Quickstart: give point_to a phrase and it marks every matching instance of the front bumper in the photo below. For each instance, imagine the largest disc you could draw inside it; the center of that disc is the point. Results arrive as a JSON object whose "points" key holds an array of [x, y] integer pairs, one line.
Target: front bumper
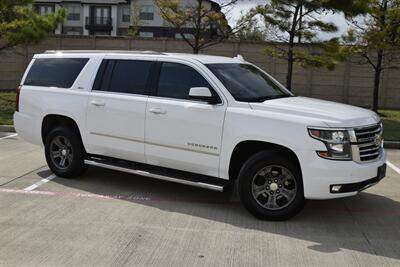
{"points": [[319, 175], [360, 186]]}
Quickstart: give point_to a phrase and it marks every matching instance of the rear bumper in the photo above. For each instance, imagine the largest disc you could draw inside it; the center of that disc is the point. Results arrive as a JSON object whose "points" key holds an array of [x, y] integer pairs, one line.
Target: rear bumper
{"points": [[28, 128], [320, 175]]}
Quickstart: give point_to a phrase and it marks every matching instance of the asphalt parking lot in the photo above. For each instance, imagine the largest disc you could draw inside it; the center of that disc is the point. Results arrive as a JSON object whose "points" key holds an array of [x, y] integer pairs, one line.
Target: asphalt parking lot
{"points": [[110, 218]]}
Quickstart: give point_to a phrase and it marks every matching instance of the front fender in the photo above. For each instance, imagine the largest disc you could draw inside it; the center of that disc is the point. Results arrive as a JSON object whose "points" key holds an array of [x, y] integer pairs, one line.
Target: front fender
{"points": [[250, 125]]}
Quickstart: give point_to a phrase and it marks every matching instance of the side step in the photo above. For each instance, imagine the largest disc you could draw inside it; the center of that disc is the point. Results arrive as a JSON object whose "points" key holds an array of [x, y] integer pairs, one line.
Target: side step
{"points": [[159, 173]]}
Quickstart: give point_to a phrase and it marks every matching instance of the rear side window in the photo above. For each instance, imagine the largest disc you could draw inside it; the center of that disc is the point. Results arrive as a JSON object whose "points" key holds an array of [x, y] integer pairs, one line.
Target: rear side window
{"points": [[130, 76], [123, 76], [176, 80], [55, 72]]}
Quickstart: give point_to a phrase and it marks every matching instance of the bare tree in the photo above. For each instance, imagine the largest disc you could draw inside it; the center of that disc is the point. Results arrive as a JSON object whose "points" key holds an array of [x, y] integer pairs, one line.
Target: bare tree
{"points": [[376, 37], [201, 24]]}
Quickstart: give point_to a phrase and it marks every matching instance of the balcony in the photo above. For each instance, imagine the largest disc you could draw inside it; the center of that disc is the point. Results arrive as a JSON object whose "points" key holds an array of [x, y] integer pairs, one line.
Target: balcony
{"points": [[99, 23]]}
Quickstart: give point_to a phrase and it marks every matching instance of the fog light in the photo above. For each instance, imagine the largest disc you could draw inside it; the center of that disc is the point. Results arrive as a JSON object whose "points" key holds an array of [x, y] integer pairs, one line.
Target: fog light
{"points": [[336, 188]]}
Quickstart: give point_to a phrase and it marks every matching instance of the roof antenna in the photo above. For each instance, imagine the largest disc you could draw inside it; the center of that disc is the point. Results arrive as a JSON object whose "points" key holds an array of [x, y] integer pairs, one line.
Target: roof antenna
{"points": [[240, 57]]}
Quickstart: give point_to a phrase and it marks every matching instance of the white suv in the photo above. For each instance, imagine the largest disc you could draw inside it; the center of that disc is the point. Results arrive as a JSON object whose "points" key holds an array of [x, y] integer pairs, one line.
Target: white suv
{"points": [[199, 120]]}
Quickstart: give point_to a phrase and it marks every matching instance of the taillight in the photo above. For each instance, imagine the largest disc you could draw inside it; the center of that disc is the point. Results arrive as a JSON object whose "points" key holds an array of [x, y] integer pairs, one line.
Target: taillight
{"points": [[17, 98]]}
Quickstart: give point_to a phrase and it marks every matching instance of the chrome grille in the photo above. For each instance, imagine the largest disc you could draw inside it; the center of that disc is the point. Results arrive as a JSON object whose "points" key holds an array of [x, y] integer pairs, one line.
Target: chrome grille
{"points": [[369, 142]]}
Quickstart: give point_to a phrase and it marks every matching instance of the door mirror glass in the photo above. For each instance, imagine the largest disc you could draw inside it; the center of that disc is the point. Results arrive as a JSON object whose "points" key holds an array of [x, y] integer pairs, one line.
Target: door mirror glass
{"points": [[202, 94]]}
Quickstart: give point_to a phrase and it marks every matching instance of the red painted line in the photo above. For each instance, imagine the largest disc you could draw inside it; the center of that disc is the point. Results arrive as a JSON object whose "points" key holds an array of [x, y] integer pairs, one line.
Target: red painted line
{"points": [[142, 199], [117, 197], [71, 194]]}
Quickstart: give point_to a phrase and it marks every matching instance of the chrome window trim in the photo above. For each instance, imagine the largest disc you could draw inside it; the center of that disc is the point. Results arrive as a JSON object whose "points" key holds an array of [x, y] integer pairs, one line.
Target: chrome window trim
{"points": [[186, 100], [119, 93]]}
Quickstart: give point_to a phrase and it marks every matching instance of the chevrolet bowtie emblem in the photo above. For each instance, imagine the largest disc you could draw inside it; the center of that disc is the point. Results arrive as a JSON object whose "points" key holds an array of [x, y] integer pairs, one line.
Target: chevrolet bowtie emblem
{"points": [[378, 140]]}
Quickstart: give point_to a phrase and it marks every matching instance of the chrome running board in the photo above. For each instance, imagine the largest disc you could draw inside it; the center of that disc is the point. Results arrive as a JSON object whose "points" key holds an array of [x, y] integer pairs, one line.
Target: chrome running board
{"points": [[156, 174]]}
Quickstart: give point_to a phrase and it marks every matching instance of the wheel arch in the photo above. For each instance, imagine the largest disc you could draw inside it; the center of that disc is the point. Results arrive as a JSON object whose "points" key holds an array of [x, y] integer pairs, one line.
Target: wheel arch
{"points": [[50, 121], [245, 149]]}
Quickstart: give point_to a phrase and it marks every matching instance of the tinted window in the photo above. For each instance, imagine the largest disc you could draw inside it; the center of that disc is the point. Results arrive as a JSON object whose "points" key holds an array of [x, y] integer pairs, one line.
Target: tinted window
{"points": [[98, 84], [177, 79], [56, 72], [247, 83], [129, 76], [103, 77]]}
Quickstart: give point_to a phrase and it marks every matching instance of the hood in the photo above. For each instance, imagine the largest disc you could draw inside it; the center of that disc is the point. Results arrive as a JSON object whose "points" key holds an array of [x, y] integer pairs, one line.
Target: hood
{"points": [[331, 114]]}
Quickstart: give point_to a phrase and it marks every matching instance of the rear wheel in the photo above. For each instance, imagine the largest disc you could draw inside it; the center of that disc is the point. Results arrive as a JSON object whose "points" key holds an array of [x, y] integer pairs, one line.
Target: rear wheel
{"points": [[270, 186], [65, 153]]}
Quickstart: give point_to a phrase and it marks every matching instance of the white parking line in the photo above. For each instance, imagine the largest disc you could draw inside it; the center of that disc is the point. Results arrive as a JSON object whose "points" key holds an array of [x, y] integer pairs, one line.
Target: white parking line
{"points": [[41, 182], [8, 136], [394, 167]]}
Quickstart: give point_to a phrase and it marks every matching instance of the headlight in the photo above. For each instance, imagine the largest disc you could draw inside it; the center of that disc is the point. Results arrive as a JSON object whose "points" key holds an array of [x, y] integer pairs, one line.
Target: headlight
{"points": [[337, 143]]}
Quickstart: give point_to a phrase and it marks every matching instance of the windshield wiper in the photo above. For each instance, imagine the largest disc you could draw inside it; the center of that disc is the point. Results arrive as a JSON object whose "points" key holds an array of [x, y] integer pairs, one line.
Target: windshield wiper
{"points": [[264, 98]]}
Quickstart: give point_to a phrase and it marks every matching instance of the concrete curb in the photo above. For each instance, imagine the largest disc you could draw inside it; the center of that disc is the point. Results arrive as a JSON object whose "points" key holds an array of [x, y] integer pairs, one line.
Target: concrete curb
{"points": [[392, 144], [387, 144], [7, 128]]}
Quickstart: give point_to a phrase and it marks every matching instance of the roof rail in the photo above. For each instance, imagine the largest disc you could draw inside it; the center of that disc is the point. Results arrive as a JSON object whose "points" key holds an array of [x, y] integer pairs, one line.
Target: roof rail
{"points": [[240, 57], [103, 51]]}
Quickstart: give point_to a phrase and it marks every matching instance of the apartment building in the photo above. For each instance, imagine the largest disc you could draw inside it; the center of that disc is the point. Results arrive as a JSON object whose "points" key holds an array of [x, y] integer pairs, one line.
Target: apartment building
{"points": [[90, 17], [153, 25], [114, 17]]}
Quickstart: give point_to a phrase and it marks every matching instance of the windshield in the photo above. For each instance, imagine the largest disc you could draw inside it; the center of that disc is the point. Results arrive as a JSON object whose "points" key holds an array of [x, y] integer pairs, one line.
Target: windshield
{"points": [[247, 83]]}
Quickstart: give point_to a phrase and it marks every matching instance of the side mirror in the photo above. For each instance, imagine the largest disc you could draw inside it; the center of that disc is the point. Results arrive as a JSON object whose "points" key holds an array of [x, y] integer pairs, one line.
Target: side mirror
{"points": [[202, 94]]}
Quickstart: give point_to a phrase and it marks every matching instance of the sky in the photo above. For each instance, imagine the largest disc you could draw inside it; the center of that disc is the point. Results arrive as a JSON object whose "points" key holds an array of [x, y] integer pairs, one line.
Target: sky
{"points": [[245, 5]]}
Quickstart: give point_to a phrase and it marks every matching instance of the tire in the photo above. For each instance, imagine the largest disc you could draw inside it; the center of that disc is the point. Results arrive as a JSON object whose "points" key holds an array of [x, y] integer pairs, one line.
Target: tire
{"points": [[65, 143], [266, 174]]}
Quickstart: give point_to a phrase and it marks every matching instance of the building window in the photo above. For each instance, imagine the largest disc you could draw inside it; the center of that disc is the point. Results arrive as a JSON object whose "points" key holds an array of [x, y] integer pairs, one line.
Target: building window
{"points": [[147, 12], [45, 9], [72, 33], [126, 14], [74, 13], [146, 34], [188, 36]]}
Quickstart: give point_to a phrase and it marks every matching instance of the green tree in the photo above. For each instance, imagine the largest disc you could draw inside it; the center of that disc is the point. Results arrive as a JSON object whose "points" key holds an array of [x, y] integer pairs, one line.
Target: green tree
{"points": [[249, 29], [291, 22], [20, 24], [135, 22], [207, 26], [376, 38]]}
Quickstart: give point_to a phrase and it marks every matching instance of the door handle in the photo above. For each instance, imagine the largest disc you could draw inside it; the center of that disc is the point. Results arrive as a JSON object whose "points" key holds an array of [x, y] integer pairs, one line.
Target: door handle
{"points": [[97, 103], [157, 111]]}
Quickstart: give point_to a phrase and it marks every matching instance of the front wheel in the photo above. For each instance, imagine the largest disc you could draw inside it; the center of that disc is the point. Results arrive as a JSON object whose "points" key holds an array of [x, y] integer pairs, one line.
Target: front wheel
{"points": [[271, 186], [64, 152]]}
